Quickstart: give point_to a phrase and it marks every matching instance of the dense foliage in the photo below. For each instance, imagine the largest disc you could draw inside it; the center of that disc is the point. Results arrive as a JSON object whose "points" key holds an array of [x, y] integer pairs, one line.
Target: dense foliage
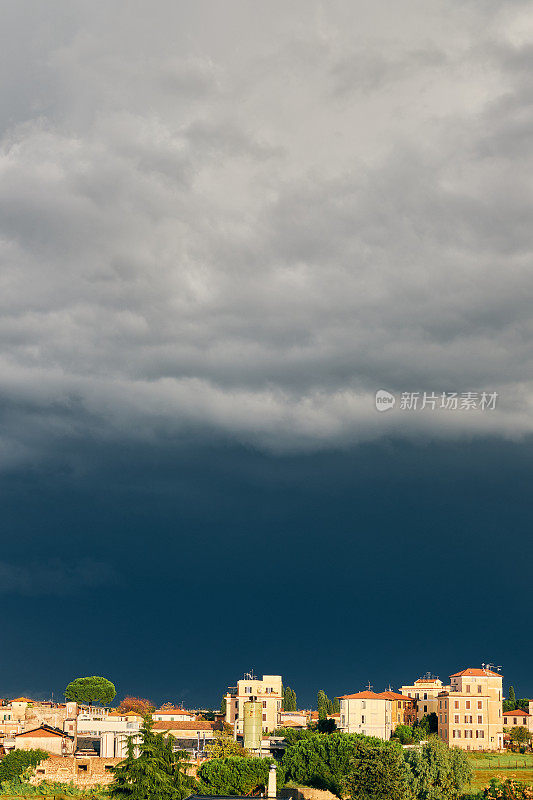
{"points": [[508, 789], [377, 771], [289, 699], [93, 689], [320, 760], [51, 789], [229, 776], [365, 767], [437, 772], [224, 746], [156, 773], [15, 764], [137, 705]]}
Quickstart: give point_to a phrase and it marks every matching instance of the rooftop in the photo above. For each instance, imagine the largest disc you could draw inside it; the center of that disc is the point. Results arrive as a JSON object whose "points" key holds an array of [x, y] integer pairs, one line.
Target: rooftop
{"points": [[473, 671]]}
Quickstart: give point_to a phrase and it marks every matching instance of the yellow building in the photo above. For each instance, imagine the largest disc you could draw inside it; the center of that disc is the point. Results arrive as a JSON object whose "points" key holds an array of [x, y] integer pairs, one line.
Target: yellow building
{"points": [[267, 690], [425, 691], [470, 713]]}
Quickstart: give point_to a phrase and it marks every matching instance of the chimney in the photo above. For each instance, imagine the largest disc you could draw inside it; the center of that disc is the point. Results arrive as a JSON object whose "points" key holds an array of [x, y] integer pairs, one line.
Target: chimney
{"points": [[272, 788]]}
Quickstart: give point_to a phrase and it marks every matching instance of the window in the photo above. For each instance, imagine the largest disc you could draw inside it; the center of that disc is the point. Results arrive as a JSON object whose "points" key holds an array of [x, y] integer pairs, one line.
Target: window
{"points": [[468, 734], [264, 717], [425, 695], [363, 720], [479, 719], [264, 703], [480, 734], [514, 720], [425, 709], [247, 690], [343, 720], [468, 704], [480, 704], [456, 719], [82, 768], [468, 688], [446, 718], [456, 704], [363, 704]]}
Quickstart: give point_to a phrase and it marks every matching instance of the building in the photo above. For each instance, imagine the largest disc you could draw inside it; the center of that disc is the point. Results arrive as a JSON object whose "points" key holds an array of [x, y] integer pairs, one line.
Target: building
{"points": [[369, 713], [403, 708], [293, 719], [425, 691], [470, 713], [267, 690], [518, 718], [169, 714], [46, 738], [95, 721]]}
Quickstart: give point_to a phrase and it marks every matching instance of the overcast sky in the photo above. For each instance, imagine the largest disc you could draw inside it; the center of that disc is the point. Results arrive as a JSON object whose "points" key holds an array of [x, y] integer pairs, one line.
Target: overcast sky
{"points": [[227, 225]]}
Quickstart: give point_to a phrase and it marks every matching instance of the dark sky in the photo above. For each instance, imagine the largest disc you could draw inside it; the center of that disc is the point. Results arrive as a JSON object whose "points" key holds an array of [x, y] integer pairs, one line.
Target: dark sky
{"points": [[223, 228], [373, 564]]}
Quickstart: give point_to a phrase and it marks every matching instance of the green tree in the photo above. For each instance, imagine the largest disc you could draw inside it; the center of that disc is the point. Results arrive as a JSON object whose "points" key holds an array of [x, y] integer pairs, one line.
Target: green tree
{"points": [[223, 704], [15, 764], [234, 776], [437, 772], [320, 761], [326, 726], [519, 734], [510, 703], [404, 734], [377, 771], [93, 689], [336, 705], [156, 773], [224, 746], [322, 704], [289, 699]]}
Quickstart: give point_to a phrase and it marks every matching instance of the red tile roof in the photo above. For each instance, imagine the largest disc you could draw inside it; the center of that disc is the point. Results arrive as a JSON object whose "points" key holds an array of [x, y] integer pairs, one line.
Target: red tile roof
{"points": [[477, 672], [201, 725], [393, 696], [43, 732], [518, 712], [173, 711], [361, 696]]}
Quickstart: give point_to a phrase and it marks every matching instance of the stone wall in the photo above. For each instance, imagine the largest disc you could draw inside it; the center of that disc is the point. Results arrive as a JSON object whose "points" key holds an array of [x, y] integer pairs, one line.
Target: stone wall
{"points": [[39, 715], [81, 771], [305, 793]]}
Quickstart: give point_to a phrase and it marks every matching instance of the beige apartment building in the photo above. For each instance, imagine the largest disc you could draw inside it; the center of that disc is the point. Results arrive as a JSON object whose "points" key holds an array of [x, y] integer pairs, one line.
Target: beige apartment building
{"points": [[519, 718], [470, 713], [267, 690], [425, 691], [367, 712]]}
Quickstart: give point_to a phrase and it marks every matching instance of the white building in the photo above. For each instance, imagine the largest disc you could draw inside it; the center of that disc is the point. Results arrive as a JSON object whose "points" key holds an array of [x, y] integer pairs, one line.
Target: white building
{"points": [[367, 713]]}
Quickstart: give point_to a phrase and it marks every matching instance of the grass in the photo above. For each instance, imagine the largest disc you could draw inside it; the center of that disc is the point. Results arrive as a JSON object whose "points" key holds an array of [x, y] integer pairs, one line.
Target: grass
{"points": [[500, 765]]}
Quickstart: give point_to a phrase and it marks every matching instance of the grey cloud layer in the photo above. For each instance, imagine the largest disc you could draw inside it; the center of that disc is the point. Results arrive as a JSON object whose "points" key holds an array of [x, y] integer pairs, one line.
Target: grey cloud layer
{"points": [[248, 221]]}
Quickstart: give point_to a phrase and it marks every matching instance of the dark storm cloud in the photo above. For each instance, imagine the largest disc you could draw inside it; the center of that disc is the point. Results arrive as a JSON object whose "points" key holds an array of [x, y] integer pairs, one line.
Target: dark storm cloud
{"points": [[245, 223], [54, 577]]}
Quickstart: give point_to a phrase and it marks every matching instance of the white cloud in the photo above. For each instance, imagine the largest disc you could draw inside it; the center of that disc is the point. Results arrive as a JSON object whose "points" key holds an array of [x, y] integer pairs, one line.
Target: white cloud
{"points": [[247, 222]]}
